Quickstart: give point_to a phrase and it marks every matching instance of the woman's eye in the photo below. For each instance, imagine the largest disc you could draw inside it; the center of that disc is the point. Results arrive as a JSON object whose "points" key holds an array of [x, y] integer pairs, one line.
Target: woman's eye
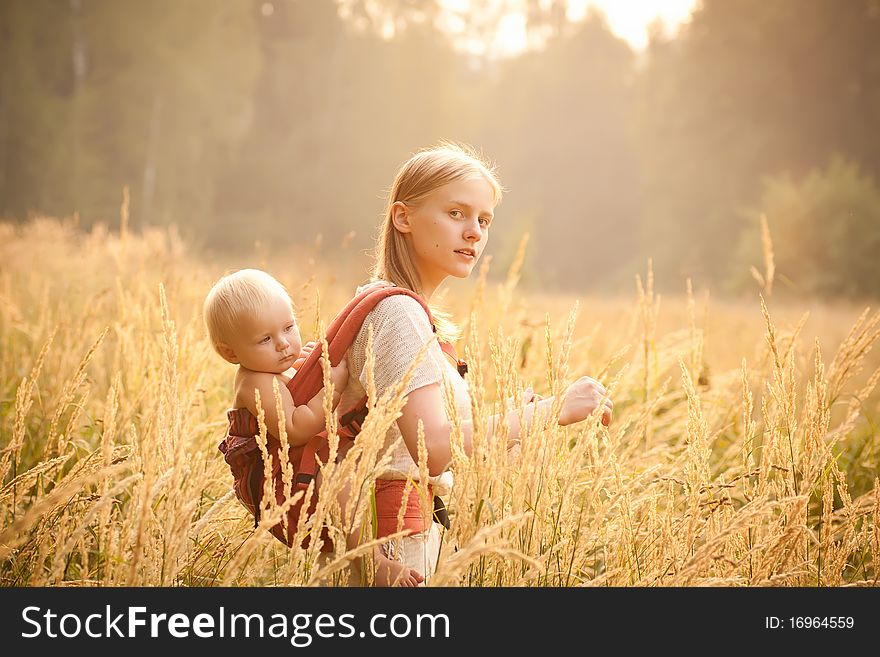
{"points": [[484, 222], [456, 214]]}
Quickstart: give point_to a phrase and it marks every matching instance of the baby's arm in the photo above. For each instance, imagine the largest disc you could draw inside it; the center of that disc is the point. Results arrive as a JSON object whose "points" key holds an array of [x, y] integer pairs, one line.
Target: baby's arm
{"points": [[300, 422], [309, 418], [297, 424], [339, 379], [338, 375]]}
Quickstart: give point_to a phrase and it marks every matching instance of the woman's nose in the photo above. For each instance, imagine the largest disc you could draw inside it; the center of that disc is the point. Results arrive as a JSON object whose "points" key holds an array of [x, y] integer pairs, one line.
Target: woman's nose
{"points": [[473, 231]]}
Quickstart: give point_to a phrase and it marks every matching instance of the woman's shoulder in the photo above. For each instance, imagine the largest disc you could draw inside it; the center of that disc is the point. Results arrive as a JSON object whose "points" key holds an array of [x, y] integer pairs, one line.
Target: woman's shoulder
{"points": [[400, 312], [396, 308], [400, 327], [403, 302]]}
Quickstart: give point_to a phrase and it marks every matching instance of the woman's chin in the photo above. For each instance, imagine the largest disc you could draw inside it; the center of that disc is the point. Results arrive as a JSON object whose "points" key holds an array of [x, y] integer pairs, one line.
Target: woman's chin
{"points": [[462, 271]]}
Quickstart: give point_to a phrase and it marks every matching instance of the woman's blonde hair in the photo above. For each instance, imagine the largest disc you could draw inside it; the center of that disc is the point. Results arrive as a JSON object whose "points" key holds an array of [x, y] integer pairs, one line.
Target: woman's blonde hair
{"points": [[420, 175], [243, 293]]}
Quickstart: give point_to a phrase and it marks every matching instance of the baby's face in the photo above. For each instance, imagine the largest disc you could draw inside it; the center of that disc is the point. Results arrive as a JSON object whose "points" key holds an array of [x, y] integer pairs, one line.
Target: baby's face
{"points": [[269, 341]]}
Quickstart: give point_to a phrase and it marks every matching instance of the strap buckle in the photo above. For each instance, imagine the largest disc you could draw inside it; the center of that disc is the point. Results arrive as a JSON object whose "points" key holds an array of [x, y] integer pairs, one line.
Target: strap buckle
{"points": [[440, 513]]}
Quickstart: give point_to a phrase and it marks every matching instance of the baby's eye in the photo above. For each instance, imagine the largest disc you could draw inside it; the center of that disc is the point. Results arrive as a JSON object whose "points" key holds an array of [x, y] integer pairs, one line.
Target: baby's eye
{"points": [[485, 222], [264, 340], [456, 214], [288, 328]]}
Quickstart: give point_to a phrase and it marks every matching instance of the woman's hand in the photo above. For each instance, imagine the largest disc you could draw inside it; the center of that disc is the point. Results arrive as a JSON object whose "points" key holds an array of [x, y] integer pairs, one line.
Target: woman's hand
{"points": [[528, 397], [581, 398]]}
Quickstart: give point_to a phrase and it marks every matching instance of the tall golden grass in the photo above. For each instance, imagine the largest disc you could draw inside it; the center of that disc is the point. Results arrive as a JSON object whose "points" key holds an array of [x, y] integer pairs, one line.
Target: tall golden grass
{"points": [[739, 455]]}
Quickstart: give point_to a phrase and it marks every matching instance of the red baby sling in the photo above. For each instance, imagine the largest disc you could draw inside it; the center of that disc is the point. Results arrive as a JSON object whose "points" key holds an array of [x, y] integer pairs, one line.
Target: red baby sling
{"points": [[242, 452]]}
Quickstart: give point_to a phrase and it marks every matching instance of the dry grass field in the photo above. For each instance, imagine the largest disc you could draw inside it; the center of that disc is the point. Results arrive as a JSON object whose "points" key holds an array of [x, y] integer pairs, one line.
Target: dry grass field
{"points": [[743, 449]]}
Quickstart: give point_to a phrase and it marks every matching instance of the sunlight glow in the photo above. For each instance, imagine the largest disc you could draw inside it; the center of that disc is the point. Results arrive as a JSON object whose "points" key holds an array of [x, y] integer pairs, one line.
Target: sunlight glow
{"points": [[630, 19], [494, 29], [511, 37]]}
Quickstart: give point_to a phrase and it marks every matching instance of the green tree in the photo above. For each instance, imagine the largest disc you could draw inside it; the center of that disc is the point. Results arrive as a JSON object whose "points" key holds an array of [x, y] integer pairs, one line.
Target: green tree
{"points": [[560, 127], [100, 94], [826, 231], [750, 89], [36, 84], [337, 108]]}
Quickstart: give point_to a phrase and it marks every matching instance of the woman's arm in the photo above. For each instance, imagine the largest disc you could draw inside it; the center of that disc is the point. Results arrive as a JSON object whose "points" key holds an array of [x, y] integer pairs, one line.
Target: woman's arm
{"points": [[426, 404]]}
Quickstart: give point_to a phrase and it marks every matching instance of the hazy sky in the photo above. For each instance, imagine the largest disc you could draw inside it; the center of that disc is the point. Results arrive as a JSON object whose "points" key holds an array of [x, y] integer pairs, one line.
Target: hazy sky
{"points": [[628, 19]]}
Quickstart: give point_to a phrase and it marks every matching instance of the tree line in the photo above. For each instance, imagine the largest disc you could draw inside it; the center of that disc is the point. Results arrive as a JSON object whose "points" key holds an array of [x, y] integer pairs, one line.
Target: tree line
{"points": [[247, 121]]}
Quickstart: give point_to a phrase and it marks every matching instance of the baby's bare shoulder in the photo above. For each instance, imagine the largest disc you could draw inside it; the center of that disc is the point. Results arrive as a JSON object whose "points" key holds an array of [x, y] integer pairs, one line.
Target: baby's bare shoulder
{"points": [[246, 381]]}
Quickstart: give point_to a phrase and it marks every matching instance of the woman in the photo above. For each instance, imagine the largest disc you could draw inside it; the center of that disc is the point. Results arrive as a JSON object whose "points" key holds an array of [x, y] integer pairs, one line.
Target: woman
{"points": [[437, 222]]}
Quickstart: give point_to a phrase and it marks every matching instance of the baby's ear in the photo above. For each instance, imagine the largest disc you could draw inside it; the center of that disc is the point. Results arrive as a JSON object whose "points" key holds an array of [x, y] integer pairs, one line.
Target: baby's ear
{"points": [[227, 352]]}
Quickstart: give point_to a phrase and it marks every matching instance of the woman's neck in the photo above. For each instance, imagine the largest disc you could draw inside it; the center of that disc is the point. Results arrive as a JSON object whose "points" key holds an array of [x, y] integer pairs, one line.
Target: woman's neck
{"points": [[424, 288], [429, 287]]}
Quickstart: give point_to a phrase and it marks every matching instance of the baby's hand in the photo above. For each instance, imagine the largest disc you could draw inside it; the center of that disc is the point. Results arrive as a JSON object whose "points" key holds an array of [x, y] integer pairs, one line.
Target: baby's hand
{"points": [[339, 375], [304, 352]]}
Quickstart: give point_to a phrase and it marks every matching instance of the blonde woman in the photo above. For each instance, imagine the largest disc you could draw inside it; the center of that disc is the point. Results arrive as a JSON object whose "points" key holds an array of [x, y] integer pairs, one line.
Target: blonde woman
{"points": [[439, 215]]}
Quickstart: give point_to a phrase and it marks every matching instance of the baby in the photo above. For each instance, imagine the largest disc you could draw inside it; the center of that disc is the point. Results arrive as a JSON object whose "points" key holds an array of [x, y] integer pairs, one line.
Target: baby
{"points": [[250, 321]]}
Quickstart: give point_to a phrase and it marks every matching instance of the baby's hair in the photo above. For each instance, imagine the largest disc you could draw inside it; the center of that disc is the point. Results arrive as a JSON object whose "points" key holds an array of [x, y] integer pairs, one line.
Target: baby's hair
{"points": [[240, 294]]}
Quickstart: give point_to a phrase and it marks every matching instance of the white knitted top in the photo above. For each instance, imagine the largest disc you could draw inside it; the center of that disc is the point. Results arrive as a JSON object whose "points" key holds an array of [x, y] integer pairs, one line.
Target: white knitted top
{"points": [[400, 328]]}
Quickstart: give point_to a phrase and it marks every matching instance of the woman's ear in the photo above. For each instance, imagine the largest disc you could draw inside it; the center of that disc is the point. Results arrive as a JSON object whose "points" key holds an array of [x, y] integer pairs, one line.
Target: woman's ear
{"points": [[227, 352], [400, 217]]}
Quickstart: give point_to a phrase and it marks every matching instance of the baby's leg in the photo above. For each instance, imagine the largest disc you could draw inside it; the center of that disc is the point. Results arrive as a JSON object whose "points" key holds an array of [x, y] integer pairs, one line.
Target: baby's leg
{"points": [[387, 572], [394, 573]]}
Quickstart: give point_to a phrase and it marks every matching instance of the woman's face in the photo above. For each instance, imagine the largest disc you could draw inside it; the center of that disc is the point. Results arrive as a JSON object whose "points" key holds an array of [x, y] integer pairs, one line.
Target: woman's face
{"points": [[448, 230]]}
